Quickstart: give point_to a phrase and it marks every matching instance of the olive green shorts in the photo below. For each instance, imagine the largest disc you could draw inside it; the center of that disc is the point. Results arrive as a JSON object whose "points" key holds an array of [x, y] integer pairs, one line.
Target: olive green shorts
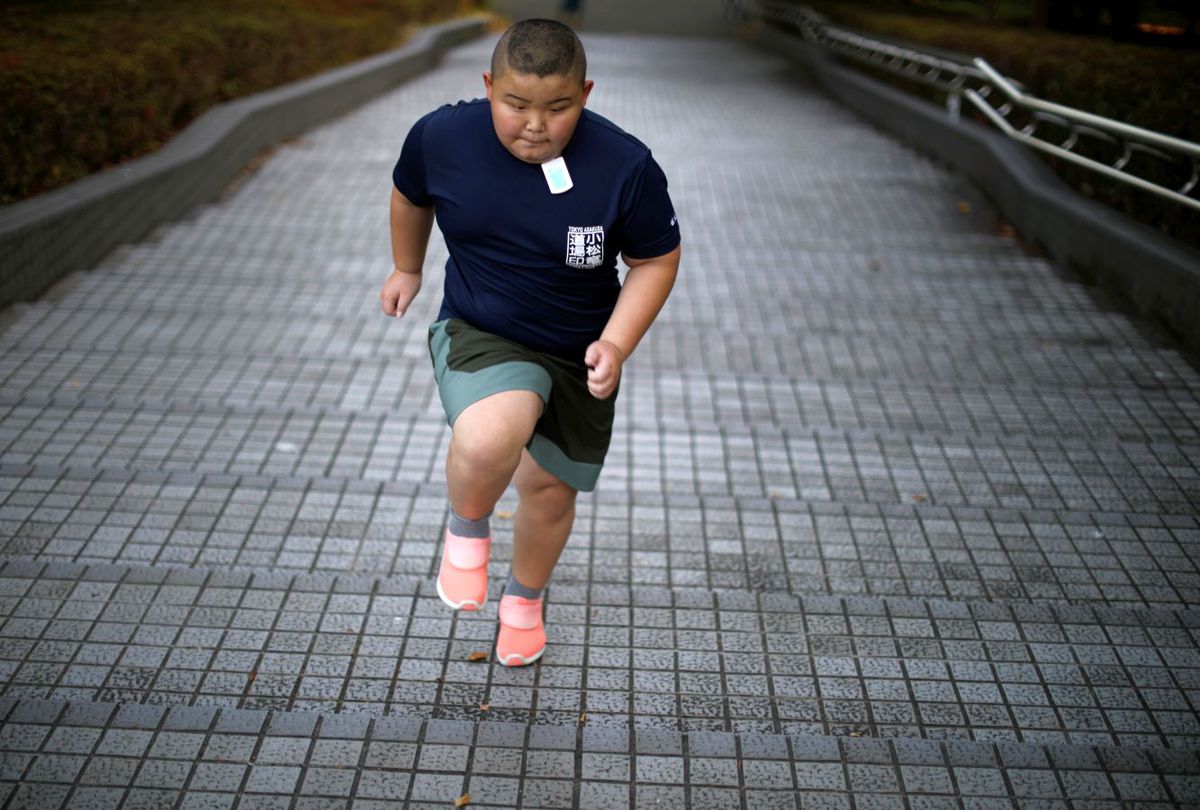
{"points": [[572, 436]]}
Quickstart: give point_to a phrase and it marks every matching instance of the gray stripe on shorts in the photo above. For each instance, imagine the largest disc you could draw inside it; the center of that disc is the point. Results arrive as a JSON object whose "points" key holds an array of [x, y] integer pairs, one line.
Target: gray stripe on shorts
{"points": [[472, 386], [575, 474]]}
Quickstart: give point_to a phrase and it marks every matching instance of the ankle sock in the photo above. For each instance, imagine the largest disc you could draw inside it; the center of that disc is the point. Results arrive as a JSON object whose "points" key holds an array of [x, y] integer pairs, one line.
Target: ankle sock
{"points": [[463, 527], [515, 588]]}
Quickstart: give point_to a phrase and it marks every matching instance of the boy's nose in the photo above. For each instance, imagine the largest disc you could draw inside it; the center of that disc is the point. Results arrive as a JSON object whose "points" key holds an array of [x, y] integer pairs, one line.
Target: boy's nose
{"points": [[535, 123]]}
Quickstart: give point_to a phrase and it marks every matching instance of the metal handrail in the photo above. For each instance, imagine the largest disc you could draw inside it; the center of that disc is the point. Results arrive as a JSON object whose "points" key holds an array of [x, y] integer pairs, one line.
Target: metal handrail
{"points": [[1003, 102]]}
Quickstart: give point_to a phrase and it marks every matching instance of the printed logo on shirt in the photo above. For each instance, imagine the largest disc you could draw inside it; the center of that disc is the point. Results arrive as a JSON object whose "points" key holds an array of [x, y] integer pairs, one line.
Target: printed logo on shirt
{"points": [[585, 245]]}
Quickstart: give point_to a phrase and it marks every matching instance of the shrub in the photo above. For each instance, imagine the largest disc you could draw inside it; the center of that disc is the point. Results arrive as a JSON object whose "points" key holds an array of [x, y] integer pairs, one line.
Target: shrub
{"points": [[1149, 87], [86, 84]]}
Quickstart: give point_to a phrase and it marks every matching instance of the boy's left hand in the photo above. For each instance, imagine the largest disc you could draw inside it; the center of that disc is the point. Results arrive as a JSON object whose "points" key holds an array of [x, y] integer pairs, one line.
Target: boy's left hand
{"points": [[604, 361]]}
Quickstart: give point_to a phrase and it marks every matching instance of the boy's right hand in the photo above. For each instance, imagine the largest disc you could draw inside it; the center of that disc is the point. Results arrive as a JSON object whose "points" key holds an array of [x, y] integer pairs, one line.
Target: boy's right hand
{"points": [[399, 291]]}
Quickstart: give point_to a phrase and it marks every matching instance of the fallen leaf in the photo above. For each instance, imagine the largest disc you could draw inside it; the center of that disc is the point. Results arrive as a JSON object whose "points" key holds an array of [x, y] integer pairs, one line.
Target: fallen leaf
{"points": [[1008, 231], [463, 800], [483, 707], [504, 514], [964, 208], [920, 498], [583, 719], [856, 733], [250, 676], [477, 656]]}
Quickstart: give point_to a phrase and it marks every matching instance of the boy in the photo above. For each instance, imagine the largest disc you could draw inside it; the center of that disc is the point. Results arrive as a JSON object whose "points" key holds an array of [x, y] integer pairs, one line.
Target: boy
{"points": [[535, 197]]}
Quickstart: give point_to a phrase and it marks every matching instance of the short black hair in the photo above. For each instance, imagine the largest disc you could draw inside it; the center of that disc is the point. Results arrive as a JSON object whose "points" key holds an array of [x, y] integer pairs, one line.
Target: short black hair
{"points": [[541, 47]]}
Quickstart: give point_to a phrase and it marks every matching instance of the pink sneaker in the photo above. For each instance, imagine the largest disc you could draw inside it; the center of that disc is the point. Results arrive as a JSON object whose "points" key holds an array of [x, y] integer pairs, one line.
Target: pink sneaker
{"points": [[522, 638], [462, 579]]}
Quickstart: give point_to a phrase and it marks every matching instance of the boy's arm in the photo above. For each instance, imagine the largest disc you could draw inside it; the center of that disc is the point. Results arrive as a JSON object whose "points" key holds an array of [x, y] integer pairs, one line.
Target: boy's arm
{"points": [[410, 226], [643, 294]]}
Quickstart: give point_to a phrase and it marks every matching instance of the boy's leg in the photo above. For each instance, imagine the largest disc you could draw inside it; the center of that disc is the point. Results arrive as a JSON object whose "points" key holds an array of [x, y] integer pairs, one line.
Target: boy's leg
{"points": [[485, 450], [542, 523], [486, 446], [541, 526]]}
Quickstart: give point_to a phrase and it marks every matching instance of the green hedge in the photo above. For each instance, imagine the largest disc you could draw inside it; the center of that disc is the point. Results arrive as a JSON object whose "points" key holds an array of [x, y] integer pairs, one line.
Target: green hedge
{"points": [[87, 84], [1151, 87]]}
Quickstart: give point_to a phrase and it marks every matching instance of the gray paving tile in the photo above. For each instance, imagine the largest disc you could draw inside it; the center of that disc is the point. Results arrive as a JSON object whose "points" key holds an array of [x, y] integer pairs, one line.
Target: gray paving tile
{"points": [[993, 553], [985, 670], [872, 769], [916, 486]]}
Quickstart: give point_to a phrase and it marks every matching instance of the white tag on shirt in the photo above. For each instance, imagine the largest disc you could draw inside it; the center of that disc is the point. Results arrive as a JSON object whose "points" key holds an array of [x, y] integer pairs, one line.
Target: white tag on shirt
{"points": [[557, 176]]}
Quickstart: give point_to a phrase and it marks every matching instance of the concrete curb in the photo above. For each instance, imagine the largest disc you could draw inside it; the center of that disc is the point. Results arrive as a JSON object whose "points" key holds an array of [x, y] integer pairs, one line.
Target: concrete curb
{"points": [[46, 237], [1157, 275]]}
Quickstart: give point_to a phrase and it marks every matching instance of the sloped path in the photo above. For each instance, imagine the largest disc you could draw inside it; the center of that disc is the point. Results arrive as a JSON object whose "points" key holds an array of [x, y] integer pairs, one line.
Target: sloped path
{"points": [[894, 511]]}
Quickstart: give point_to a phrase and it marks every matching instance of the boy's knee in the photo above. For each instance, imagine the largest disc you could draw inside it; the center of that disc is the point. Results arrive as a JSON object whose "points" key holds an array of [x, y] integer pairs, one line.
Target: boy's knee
{"points": [[493, 430], [552, 503], [552, 494], [558, 494], [478, 446]]}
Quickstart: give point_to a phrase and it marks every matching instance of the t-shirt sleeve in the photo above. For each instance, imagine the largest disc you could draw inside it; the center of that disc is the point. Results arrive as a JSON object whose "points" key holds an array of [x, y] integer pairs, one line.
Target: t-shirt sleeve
{"points": [[650, 227], [409, 174]]}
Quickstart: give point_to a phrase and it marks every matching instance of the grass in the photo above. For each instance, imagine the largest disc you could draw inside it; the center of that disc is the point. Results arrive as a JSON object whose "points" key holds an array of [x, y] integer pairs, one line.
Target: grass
{"points": [[1020, 12], [87, 84], [1150, 87]]}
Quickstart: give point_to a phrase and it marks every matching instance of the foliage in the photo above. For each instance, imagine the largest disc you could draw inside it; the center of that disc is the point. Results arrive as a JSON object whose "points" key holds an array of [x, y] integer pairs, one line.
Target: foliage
{"points": [[1149, 87], [86, 84], [1079, 13]]}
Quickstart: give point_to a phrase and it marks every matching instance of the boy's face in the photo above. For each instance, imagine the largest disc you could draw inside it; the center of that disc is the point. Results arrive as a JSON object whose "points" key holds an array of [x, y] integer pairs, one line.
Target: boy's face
{"points": [[534, 116]]}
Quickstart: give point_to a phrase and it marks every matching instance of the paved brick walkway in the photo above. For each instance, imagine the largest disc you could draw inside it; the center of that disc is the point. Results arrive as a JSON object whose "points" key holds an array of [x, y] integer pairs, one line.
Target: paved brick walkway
{"points": [[895, 511]]}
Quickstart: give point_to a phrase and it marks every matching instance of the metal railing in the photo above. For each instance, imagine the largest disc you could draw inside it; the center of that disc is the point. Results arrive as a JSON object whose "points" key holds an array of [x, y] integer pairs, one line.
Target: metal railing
{"points": [[1100, 144]]}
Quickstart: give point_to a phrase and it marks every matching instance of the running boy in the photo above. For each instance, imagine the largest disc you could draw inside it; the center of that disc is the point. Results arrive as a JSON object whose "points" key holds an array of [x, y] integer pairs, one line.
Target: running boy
{"points": [[536, 197]]}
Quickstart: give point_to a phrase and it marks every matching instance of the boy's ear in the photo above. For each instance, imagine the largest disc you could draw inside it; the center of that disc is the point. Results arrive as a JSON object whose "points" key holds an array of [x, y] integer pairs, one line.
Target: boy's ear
{"points": [[588, 84], [487, 84]]}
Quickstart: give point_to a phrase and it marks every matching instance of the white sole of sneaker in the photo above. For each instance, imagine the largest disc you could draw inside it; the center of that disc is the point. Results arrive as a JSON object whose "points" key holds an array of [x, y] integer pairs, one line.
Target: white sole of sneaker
{"points": [[466, 604], [514, 660]]}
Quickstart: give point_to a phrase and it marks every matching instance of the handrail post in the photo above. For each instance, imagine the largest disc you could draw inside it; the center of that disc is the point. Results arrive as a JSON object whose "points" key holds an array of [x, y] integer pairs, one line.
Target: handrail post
{"points": [[954, 104]]}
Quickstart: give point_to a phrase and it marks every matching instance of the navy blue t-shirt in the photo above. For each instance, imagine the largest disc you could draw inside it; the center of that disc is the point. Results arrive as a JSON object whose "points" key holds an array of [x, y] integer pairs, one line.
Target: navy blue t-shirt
{"points": [[534, 267]]}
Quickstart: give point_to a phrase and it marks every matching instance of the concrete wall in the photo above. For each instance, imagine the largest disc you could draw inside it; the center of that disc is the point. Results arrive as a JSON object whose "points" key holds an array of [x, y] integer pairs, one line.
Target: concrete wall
{"points": [[46, 237], [1158, 276]]}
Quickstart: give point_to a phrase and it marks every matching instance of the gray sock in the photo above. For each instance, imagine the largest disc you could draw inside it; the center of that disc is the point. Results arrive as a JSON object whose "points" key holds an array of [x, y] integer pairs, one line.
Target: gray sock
{"points": [[469, 528], [515, 588]]}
